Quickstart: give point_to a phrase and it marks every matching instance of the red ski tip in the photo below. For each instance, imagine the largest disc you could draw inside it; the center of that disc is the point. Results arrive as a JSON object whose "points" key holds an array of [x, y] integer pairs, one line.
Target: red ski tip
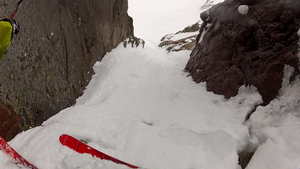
{"points": [[82, 148], [14, 156]]}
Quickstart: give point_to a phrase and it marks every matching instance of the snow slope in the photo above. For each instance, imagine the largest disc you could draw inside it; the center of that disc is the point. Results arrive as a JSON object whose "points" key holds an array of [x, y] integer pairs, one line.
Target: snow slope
{"points": [[142, 108]]}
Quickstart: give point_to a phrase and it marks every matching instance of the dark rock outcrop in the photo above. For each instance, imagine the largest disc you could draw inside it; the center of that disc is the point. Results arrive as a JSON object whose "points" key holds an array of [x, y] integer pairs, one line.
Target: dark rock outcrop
{"points": [[49, 63], [244, 159], [250, 49]]}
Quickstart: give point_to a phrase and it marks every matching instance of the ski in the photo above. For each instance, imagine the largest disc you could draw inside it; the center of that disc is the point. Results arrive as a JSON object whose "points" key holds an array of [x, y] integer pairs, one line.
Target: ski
{"points": [[83, 148], [14, 156]]}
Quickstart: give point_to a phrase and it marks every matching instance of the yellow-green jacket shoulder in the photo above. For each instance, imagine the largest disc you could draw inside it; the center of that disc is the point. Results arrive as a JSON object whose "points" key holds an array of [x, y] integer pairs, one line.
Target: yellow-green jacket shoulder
{"points": [[5, 36]]}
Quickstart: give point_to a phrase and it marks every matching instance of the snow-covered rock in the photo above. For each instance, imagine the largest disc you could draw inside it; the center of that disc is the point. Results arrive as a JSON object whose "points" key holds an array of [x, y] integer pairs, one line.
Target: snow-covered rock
{"points": [[182, 40]]}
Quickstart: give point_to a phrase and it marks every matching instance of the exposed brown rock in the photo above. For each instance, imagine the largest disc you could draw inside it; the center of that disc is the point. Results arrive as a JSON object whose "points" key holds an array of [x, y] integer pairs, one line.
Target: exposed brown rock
{"points": [[10, 122], [250, 49], [244, 159]]}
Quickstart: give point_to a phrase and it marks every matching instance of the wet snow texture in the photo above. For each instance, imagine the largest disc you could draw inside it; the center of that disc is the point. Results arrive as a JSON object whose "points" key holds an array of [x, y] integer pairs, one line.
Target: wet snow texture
{"points": [[142, 108]]}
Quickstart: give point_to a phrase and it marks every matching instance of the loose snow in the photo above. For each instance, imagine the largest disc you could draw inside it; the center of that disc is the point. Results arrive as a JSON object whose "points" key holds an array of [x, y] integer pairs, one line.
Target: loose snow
{"points": [[243, 9], [142, 108]]}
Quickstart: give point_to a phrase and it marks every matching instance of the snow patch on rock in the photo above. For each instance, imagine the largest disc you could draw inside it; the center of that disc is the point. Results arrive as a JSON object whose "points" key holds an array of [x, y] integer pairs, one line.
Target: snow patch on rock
{"points": [[288, 72], [204, 32], [243, 9]]}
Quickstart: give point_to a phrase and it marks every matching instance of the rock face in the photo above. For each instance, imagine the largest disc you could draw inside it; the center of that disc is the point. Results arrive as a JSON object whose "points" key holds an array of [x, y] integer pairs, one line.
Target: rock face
{"points": [[49, 63], [249, 47]]}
